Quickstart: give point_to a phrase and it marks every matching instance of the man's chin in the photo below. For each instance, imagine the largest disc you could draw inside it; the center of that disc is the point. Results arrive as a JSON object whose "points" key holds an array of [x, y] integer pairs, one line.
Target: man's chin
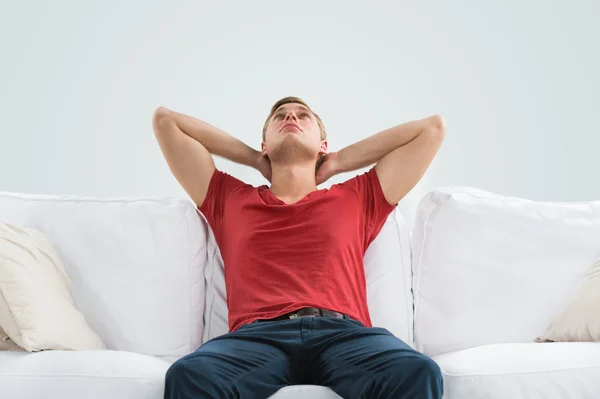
{"points": [[292, 151]]}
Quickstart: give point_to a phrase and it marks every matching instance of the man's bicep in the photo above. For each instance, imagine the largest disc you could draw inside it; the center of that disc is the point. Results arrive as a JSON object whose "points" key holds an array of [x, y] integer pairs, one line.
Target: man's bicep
{"points": [[189, 161], [366, 190], [401, 169]]}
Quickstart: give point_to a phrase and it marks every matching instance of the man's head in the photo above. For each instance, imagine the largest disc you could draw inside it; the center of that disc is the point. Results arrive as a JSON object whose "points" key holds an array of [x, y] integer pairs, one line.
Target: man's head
{"points": [[293, 132]]}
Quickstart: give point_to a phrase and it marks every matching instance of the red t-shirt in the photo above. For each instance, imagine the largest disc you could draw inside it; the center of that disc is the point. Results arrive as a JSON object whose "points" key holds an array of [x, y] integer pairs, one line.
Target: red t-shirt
{"points": [[280, 257]]}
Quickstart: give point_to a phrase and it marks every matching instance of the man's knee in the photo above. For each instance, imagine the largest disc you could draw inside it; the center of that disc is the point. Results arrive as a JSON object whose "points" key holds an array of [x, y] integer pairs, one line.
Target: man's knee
{"points": [[176, 371], [427, 368], [415, 376], [189, 377], [426, 377]]}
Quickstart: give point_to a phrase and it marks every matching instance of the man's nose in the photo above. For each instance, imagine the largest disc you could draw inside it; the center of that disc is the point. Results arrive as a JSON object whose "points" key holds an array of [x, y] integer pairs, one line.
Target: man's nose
{"points": [[290, 115]]}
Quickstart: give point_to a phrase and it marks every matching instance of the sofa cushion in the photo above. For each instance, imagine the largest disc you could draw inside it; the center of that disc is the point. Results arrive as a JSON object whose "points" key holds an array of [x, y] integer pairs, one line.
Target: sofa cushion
{"points": [[579, 318], [495, 269], [36, 300], [82, 374], [388, 274], [523, 371], [135, 265]]}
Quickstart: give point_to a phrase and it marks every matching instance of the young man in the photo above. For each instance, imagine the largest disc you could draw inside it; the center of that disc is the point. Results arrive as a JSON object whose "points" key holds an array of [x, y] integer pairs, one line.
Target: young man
{"points": [[292, 250]]}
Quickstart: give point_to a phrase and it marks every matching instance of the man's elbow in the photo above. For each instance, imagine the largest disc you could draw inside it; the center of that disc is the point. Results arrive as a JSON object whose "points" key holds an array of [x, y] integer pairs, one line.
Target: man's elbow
{"points": [[160, 113], [160, 116], [437, 126], [438, 123]]}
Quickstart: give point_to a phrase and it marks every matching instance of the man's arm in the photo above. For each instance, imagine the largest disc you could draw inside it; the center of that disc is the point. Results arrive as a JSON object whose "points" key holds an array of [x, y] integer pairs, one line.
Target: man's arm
{"points": [[402, 153], [187, 144]]}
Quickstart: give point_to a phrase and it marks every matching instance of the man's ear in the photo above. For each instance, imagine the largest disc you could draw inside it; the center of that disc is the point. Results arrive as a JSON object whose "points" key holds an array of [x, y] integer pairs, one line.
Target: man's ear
{"points": [[324, 146], [263, 148]]}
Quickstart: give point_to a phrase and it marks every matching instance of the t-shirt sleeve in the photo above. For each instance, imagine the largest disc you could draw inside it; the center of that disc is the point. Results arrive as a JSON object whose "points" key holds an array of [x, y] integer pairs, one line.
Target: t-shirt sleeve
{"points": [[376, 208], [221, 187]]}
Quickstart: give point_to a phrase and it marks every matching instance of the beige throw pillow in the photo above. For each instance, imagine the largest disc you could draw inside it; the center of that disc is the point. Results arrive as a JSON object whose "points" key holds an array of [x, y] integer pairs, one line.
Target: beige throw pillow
{"points": [[7, 344], [579, 318], [37, 310]]}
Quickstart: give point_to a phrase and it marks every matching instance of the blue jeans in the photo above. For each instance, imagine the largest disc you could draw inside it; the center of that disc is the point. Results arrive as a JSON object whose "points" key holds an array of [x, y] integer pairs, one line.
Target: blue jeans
{"points": [[260, 358]]}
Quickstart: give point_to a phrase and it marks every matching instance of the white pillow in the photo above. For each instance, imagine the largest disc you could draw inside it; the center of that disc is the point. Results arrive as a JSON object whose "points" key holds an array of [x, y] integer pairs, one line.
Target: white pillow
{"points": [[579, 318], [37, 310], [111, 247], [492, 269]]}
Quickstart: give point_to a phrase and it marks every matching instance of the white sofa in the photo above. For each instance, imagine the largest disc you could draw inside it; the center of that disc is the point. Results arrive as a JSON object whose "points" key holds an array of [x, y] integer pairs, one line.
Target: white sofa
{"points": [[478, 279]]}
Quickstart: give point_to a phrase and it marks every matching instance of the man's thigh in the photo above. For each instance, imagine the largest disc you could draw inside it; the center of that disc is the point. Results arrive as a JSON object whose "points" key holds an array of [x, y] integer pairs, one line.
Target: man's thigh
{"points": [[250, 362], [361, 362]]}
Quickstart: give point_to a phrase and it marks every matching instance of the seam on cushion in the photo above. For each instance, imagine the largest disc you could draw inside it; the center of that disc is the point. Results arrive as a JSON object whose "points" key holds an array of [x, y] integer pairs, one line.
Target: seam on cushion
{"points": [[208, 307], [2, 376], [412, 290], [75, 198], [418, 266], [406, 295], [205, 280], [470, 376], [490, 195], [189, 284], [212, 285]]}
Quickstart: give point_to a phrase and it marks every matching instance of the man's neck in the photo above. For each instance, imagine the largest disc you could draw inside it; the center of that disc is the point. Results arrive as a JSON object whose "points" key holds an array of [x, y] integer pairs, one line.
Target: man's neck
{"points": [[292, 182]]}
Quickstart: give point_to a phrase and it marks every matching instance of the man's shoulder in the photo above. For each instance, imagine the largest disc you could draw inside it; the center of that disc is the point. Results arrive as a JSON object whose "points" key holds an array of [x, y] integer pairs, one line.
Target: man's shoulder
{"points": [[222, 187], [354, 182], [230, 180]]}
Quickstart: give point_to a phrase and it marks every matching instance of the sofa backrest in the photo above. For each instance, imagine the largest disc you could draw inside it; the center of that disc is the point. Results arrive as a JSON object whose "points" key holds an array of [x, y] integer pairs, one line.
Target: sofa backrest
{"points": [[388, 275], [135, 264], [494, 269]]}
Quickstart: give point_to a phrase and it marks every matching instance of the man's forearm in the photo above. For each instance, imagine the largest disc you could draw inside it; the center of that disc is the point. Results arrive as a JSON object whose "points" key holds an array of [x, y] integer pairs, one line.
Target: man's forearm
{"points": [[375, 147], [216, 141]]}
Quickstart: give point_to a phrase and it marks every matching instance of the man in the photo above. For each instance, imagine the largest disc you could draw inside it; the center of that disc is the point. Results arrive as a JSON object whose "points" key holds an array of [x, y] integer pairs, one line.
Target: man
{"points": [[292, 250]]}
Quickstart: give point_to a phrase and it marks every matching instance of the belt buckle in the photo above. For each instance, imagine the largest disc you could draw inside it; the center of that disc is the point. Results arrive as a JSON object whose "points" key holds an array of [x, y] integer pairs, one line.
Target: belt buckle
{"points": [[294, 316]]}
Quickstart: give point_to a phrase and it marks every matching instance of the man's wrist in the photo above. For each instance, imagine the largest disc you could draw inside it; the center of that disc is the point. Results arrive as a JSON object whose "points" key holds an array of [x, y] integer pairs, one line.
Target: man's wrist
{"points": [[255, 159], [340, 164]]}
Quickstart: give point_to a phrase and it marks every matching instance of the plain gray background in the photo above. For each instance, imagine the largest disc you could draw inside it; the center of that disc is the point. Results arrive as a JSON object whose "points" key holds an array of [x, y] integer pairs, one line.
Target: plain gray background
{"points": [[517, 81]]}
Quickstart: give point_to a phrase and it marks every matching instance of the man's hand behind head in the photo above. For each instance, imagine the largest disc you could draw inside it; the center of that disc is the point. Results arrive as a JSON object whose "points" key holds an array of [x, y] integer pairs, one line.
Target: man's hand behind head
{"points": [[263, 165]]}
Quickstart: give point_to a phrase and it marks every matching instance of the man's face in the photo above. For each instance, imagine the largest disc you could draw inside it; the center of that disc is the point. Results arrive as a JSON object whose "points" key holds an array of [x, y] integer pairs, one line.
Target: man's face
{"points": [[293, 129]]}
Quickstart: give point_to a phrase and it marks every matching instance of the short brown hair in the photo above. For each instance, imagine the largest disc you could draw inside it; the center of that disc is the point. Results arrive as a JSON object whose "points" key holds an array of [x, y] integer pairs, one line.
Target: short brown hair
{"points": [[288, 100]]}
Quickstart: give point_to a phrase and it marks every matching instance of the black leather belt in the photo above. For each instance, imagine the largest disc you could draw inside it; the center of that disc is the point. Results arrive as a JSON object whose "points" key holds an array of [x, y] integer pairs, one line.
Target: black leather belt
{"points": [[307, 312]]}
